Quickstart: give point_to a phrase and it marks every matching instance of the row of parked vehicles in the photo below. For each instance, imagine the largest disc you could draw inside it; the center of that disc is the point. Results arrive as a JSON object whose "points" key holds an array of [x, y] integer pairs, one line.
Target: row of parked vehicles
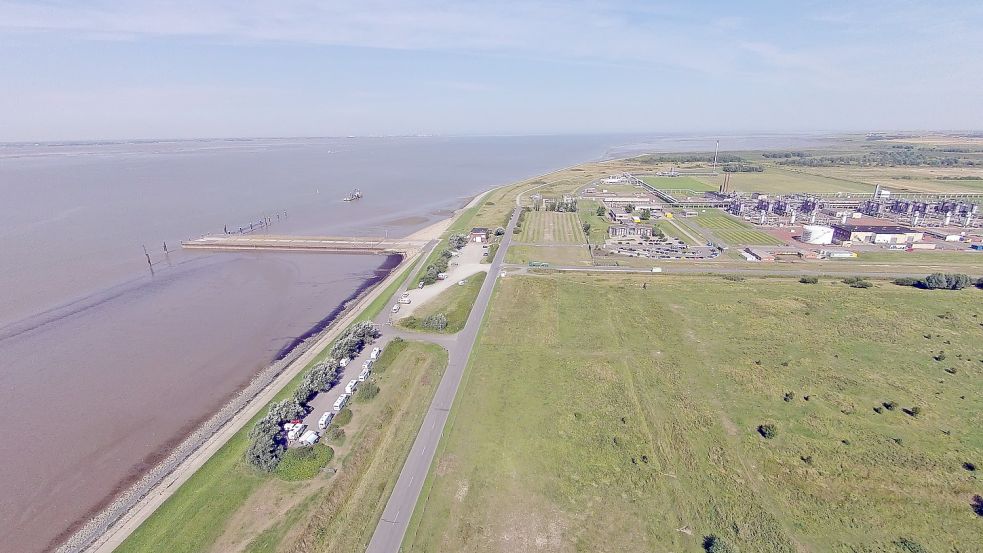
{"points": [[299, 432]]}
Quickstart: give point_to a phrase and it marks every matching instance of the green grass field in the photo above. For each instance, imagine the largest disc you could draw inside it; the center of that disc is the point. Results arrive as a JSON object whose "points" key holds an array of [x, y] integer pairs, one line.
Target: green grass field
{"points": [[556, 255], [551, 227], [734, 231], [680, 183], [598, 224], [779, 180], [228, 505], [669, 229], [455, 303], [600, 416]]}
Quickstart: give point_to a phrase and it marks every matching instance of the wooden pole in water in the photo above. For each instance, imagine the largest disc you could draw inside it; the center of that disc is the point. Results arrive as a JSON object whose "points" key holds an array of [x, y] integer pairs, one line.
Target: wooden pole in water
{"points": [[149, 263]]}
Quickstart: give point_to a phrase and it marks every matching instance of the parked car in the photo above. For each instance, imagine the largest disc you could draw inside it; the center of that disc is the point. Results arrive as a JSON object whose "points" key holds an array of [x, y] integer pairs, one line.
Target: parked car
{"points": [[462, 282], [396, 308], [375, 353], [344, 362]]}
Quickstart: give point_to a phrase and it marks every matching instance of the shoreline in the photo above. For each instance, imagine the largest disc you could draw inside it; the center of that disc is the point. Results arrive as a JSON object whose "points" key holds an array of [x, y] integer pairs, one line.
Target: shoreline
{"points": [[129, 503], [108, 527]]}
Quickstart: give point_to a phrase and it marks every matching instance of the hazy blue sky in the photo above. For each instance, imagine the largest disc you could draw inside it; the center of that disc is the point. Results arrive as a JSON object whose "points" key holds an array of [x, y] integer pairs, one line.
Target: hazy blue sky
{"points": [[192, 68]]}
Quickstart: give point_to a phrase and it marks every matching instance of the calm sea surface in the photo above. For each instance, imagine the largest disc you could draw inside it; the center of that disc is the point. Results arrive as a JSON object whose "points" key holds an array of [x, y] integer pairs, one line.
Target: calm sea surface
{"points": [[105, 366]]}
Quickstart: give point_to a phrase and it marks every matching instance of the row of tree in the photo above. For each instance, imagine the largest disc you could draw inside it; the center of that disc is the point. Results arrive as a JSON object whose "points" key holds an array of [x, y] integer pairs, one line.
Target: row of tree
{"points": [[456, 242], [883, 158], [689, 158], [742, 168], [940, 281], [266, 440]]}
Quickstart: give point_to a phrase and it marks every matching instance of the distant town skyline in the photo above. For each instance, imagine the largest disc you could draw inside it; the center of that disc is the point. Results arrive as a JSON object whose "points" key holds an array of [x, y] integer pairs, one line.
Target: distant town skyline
{"points": [[182, 69]]}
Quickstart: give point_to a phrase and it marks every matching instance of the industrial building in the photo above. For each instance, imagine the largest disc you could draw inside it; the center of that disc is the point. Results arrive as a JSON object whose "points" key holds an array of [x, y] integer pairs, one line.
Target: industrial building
{"points": [[876, 234], [817, 234], [618, 231]]}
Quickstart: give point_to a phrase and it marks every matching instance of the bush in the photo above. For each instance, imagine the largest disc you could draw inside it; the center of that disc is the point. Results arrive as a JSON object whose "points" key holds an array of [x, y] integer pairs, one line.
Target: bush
{"points": [[857, 282], [809, 280], [367, 390], [601, 212], [342, 418], [437, 321], [734, 278], [947, 281], [586, 227], [337, 434], [457, 241], [767, 431], [715, 544], [303, 463], [910, 546], [979, 282], [499, 231], [890, 405], [977, 505], [915, 411], [906, 281]]}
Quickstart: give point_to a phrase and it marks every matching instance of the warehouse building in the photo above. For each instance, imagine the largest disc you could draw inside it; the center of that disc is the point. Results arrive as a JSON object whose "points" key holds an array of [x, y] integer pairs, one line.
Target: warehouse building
{"points": [[876, 234]]}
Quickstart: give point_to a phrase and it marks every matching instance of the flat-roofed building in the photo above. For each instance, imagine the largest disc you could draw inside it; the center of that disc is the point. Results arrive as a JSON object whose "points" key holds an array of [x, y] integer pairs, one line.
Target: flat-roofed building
{"points": [[619, 231], [876, 234]]}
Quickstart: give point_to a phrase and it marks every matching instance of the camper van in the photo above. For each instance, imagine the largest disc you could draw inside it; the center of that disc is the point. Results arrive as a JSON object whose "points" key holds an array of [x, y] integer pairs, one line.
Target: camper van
{"points": [[375, 353], [296, 432], [344, 362], [340, 403], [325, 420], [350, 387], [362, 376], [368, 364]]}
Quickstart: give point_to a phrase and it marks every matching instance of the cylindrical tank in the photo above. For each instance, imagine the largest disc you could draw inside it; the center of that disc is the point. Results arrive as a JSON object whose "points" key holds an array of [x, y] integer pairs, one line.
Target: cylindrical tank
{"points": [[817, 234]]}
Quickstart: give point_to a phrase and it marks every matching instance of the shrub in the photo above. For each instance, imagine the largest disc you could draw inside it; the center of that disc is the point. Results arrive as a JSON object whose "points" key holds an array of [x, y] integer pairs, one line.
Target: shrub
{"points": [[946, 281], [906, 281], [809, 280], [733, 278], [303, 463], [767, 431], [979, 282], [857, 282], [951, 370], [457, 241], [890, 405], [337, 433], [601, 212], [940, 356], [715, 544], [437, 321], [915, 411], [971, 467], [499, 231], [342, 418], [910, 546], [586, 227], [977, 505], [789, 396], [367, 391]]}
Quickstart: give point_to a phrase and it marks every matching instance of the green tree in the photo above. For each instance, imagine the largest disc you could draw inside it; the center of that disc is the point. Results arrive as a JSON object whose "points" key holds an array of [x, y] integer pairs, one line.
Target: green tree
{"points": [[645, 214], [629, 208], [601, 212], [586, 227]]}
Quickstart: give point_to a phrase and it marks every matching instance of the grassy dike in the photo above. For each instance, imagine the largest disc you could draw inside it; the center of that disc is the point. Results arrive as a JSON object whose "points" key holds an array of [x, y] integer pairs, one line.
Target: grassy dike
{"points": [[194, 516], [597, 415]]}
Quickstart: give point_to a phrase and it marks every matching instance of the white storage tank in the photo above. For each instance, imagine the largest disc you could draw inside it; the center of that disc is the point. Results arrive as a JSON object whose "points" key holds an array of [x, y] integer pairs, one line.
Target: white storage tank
{"points": [[817, 234]]}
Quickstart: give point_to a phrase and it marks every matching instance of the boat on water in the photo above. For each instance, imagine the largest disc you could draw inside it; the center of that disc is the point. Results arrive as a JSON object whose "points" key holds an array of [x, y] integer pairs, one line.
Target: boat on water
{"points": [[353, 195]]}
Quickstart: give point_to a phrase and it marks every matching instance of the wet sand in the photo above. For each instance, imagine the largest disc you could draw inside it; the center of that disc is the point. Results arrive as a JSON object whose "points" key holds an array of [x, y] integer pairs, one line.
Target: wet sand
{"points": [[205, 328]]}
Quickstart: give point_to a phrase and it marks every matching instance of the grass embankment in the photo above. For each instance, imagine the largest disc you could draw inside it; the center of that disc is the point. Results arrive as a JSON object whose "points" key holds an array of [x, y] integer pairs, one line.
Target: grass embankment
{"points": [[734, 231], [455, 303], [228, 504], [551, 227], [600, 416], [194, 517]]}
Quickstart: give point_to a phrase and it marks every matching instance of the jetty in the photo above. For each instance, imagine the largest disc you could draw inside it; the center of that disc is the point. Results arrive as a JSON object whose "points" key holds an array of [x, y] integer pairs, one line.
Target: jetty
{"points": [[327, 244]]}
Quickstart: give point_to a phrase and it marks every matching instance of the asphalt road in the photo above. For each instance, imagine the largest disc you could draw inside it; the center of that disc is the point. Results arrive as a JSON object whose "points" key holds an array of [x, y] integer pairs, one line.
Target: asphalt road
{"points": [[392, 526]]}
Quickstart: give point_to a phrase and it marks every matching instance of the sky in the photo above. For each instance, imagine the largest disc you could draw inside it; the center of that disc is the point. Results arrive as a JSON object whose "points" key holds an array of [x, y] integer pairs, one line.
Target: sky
{"points": [[105, 69]]}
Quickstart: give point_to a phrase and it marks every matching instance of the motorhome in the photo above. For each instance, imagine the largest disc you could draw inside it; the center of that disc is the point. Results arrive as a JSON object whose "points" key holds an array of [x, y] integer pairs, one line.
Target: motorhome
{"points": [[325, 420], [375, 353], [296, 432], [340, 403], [362, 376], [350, 387]]}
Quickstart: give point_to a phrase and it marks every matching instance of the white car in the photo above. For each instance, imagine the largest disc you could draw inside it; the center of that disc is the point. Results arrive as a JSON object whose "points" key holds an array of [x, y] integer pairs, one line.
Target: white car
{"points": [[344, 362], [462, 282], [396, 308]]}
